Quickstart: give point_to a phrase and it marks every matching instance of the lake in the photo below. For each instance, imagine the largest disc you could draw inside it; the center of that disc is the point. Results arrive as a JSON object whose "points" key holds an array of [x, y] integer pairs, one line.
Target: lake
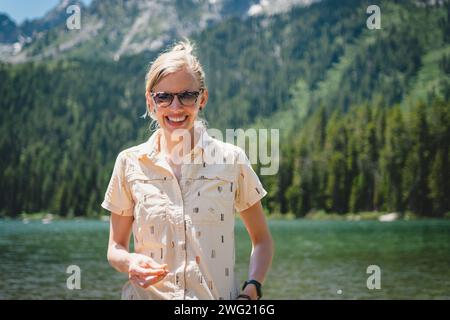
{"points": [[313, 259]]}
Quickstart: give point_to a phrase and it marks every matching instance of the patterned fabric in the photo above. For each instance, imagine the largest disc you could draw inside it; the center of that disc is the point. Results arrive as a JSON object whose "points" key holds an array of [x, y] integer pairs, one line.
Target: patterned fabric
{"points": [[187, 224]]}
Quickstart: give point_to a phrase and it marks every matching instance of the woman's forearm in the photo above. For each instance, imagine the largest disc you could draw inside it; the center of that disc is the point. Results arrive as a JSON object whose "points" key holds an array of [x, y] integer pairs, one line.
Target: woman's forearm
{"points": [[119, 257], [261, 259]]}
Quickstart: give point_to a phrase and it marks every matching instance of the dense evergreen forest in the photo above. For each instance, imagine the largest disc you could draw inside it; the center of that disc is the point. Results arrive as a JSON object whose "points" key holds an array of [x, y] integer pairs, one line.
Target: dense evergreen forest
{"points": [[364, 114]]}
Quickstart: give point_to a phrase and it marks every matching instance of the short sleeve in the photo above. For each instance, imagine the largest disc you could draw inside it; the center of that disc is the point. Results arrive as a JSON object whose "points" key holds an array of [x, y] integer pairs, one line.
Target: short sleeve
{"points": [[118, 196], [249, 187]]}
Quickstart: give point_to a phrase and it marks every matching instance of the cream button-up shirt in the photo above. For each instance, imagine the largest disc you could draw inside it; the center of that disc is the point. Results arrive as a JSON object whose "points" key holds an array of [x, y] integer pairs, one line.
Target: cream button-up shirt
{"points": [[189, 225]]}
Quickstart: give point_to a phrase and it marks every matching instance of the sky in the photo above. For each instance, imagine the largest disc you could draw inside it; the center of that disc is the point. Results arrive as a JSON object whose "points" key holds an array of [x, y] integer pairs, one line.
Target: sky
{"points": [[19, 10]]}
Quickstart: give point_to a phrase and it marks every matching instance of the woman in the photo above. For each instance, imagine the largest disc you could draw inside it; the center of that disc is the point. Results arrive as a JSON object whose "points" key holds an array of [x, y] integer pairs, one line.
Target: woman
{"points": [[178, 203]]}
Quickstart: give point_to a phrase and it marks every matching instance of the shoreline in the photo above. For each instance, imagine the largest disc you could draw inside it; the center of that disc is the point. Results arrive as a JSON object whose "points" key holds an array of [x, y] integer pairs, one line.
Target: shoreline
{"points": [[312, 216]]}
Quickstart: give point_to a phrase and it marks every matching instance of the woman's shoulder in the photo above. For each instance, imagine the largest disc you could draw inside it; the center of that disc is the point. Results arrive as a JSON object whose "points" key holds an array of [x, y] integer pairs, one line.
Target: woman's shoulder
{"points": [[134, 152]]}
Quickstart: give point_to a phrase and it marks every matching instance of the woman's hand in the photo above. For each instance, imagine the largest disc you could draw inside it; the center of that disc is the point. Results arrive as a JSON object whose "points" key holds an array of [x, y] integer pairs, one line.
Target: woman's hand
{"points": [[249, 291], [144, 271]]}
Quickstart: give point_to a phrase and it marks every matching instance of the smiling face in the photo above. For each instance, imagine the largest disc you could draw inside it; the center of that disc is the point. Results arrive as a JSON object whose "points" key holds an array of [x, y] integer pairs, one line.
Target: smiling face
{"points": [[176, 116]]}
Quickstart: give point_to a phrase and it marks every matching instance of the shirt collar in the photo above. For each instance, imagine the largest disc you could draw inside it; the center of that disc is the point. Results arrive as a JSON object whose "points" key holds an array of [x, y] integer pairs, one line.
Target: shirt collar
{"points": [[151, 148]]}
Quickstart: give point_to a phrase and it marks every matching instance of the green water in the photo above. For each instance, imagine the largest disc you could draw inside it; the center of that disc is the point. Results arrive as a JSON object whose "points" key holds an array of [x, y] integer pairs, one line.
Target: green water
{"points": [[313, 260]]}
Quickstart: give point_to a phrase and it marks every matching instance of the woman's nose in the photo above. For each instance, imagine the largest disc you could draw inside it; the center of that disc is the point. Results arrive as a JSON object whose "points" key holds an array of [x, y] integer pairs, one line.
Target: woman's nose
{"points": [[176, 104]]}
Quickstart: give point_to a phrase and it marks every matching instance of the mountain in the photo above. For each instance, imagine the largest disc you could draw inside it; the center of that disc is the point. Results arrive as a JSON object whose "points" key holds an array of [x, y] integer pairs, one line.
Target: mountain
{"points": [[14, 39], [9, 37], [363, 114], [9, 31], [117, 27]]}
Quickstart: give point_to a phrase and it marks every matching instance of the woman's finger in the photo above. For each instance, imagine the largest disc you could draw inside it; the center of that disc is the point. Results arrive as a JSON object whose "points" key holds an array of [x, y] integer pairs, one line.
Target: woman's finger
{"points": [[146, 282], [140, 271], [151, 280], [145, 276], [155, 265]]}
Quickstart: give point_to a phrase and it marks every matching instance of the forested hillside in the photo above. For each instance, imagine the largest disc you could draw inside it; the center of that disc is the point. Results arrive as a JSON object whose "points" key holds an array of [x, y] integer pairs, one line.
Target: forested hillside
{"points": [[364, 114]]}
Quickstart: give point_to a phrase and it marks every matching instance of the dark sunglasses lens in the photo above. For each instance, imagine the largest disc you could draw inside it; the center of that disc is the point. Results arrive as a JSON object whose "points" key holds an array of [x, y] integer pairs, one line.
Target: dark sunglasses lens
{"points": [[188, 98], [163, 98]]}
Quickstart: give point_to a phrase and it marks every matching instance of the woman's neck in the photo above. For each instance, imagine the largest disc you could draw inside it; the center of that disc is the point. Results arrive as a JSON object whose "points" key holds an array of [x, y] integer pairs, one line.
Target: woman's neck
{"points": [[183, 141]]}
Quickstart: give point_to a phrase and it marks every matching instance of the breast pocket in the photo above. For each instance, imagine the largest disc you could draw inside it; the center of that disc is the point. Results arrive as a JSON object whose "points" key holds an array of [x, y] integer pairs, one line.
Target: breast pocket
{"points": [[150, 198], [212, 200]]}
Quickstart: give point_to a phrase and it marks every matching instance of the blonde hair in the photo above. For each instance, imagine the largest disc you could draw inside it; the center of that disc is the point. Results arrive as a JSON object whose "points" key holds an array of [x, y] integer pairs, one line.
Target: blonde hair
{"points": [[178, 57]]}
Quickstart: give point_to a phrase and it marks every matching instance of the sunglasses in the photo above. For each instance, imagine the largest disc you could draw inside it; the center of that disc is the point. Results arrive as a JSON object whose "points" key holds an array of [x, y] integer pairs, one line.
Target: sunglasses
{"points": [[165, 99]]}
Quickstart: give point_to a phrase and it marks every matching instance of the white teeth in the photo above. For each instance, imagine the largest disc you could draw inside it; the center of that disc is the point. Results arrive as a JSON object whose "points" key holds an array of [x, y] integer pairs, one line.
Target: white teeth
{"points": [[177, 119]]}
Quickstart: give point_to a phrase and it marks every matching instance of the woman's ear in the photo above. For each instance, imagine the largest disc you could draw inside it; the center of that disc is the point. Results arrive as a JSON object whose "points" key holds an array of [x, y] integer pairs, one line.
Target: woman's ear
{"points": [[149, 101], [203, 99]]}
